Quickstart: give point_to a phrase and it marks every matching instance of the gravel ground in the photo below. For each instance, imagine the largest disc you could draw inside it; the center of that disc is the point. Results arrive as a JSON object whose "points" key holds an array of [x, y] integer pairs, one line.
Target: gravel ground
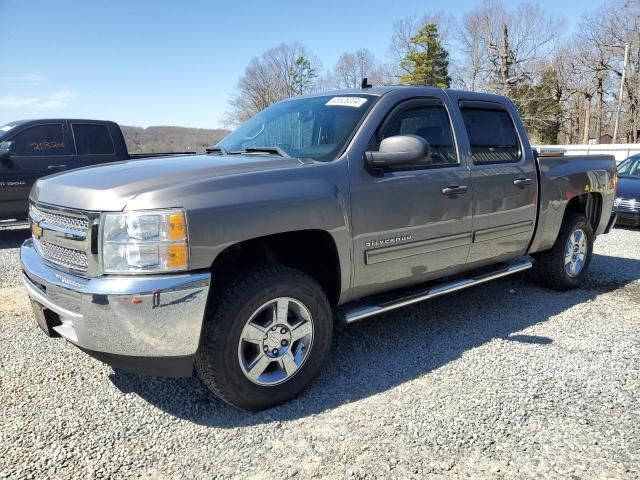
{"points": [[505, 380]]}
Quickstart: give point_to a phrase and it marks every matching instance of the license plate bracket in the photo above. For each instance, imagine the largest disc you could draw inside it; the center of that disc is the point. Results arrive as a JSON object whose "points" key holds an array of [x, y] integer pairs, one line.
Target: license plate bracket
{"points": [[41, 318]]}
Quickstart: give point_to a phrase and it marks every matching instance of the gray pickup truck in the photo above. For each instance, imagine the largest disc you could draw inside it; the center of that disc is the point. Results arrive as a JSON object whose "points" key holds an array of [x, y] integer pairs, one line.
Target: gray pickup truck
{"points": [[320, 209]]}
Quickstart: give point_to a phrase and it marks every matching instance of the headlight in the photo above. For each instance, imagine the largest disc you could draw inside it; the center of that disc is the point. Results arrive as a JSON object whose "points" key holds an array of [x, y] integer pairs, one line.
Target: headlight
{"points": [[151, 241]]}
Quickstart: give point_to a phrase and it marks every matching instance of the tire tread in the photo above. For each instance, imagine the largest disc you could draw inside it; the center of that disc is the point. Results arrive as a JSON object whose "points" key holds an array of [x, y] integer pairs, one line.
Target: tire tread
{"points": [[220, 308], [548, 267]]}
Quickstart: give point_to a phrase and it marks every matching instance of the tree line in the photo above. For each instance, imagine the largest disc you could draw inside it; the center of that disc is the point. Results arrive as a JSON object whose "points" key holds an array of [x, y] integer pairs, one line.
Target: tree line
{"points": [[568, 88]]}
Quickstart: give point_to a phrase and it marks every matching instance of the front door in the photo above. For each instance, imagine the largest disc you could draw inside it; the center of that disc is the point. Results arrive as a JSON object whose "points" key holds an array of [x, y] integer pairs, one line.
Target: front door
{"points": [[413, 224], [39, 150]]}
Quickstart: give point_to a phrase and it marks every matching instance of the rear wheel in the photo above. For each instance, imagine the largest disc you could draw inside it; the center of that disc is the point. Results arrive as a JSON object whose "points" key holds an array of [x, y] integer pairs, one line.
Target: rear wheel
{"points": [[565, 266], [266, 338]]}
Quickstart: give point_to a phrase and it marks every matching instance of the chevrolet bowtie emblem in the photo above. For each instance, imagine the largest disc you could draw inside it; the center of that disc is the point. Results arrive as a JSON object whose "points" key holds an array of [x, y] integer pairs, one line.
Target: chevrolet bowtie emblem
{"points": [[36, 230]]}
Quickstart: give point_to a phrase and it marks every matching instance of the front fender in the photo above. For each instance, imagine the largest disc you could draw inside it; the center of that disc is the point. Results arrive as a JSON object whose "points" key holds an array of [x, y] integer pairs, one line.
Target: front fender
{"points": [[223, 211]]}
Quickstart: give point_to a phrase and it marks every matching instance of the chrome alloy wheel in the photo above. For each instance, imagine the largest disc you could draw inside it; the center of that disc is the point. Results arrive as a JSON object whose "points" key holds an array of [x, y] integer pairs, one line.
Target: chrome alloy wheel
{"points": [[575, 253], [275, 341]]}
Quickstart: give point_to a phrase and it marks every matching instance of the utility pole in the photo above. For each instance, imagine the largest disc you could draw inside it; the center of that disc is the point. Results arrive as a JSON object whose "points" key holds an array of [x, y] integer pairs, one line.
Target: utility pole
{"points": [[624, 74], [587, 118]]}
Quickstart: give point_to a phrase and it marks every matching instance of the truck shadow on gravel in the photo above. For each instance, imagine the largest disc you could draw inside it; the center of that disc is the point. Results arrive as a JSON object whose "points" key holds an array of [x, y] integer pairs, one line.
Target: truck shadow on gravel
{"points": [[381, 353], [13, 238]]}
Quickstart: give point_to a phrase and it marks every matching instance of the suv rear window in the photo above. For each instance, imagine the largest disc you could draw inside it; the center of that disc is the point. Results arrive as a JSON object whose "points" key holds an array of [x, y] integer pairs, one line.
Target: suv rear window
{"points": [[92, 139], [492, 136]]}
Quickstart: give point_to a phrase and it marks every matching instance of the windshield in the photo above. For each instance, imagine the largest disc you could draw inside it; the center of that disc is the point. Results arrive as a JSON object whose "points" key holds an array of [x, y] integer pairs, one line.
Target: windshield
{"points": [[4, 130], [317, 127], [630, 167]]}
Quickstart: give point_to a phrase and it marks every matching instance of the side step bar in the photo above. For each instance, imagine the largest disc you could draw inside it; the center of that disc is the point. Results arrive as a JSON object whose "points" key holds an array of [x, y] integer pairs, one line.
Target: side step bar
{"points": [[369, 311], [14, 223]]}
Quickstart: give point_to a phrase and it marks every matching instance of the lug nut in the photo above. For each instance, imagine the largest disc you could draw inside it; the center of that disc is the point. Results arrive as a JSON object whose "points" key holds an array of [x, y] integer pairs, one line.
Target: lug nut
{"points": [[274, 328], [284, 343], [274, 351], [266, 349], [283, 331]]}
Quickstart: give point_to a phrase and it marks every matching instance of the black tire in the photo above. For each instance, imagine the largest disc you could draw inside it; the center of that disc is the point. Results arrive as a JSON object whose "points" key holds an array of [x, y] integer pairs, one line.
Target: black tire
{"points": [[549, 266], [217, 361]]}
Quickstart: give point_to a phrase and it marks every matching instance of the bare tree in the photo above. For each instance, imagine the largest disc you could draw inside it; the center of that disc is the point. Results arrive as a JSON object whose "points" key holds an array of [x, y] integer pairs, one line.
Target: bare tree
{"points": [[472, 47], [281, 72], [507, 46], [598, 52], [351, 68], [610, 29]]}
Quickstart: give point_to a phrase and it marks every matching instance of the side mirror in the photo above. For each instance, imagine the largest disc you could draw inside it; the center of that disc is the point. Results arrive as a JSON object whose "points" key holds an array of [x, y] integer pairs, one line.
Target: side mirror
{"points": [[7, 149], [399, 151]]}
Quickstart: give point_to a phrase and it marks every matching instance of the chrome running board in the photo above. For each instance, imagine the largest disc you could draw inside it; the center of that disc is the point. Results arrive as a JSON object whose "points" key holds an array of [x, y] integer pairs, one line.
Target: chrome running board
{"points": [[14, 223], [363, 312]]}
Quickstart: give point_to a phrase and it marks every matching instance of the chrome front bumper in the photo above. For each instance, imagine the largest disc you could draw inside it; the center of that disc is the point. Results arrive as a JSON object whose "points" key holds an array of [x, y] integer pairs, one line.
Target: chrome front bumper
{"points": [[138, 323]]}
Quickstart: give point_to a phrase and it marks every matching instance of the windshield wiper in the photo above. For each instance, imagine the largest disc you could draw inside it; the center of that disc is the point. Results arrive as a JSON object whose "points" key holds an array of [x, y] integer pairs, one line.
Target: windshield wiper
{"points": [[217, 149], [274, 150]]}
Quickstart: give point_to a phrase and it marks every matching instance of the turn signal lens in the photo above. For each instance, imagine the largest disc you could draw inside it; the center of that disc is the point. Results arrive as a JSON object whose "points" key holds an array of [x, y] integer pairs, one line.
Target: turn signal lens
{"points": [[177, 230], [178, 256]]}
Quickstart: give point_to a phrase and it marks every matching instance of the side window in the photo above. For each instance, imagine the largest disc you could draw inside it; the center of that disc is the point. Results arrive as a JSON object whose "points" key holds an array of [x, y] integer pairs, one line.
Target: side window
{"points": [[430, 122], [40, 141], [92, 139], [492, 136]]}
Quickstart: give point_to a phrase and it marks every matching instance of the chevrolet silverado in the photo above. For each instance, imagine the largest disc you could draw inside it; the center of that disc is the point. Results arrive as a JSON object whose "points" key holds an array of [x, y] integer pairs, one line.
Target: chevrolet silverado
{"points": [[326, 208]]}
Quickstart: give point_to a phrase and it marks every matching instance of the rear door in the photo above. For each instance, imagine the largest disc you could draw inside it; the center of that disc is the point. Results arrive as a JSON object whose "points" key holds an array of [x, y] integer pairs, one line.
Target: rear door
{"points": [[504, 181], [40, 150], [93, 144]]}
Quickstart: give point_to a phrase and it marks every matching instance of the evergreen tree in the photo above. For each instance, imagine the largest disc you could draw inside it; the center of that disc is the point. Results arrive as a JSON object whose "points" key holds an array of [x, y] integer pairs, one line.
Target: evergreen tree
{"points": [[427, 61], [302, 74], [540, 108]]}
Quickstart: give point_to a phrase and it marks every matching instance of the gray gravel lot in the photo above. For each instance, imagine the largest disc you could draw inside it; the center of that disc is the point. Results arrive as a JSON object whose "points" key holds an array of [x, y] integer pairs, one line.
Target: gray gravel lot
{"points": [[506, 380]]}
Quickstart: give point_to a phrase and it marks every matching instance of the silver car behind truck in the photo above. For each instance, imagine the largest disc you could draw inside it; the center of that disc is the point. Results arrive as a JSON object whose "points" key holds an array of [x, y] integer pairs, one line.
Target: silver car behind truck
{"points": [[330, 207]]}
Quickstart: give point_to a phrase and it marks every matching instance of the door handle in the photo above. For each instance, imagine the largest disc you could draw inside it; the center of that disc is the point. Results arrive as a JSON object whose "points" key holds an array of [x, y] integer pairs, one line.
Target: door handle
{"points": [[522, 182], [455, 190], [56, 167]]}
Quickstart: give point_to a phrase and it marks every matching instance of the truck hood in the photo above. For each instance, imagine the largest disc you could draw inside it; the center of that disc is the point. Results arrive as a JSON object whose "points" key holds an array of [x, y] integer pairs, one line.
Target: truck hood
{"points": [[109, 187]]}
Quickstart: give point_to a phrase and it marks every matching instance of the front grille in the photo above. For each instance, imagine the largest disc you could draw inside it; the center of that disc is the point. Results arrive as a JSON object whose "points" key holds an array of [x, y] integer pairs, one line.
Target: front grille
{"points": [[78, 223], [65, 257], [628, 205], [63, 237]]}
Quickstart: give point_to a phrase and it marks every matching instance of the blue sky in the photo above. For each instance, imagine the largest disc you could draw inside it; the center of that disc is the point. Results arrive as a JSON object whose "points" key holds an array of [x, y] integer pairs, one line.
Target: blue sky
{"points": [[177, 63]]}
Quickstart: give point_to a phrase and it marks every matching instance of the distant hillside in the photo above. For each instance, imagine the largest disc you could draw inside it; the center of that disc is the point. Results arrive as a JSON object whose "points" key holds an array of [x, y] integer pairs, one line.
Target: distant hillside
{"points": [[170, 139]]}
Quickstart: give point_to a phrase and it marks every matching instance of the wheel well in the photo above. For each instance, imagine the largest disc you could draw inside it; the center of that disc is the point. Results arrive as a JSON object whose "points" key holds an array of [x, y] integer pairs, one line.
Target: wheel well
{"points": [[589, 204], [311, 251]]}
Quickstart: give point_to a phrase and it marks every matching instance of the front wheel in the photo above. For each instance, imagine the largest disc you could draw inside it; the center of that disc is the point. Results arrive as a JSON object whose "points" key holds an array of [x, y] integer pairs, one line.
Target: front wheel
{"points": [[266, 338], [565, 266]]}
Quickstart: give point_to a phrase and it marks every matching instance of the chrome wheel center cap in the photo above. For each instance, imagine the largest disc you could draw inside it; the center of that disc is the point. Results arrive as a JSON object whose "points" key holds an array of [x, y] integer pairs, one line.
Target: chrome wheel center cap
{"points": [[277, 341]]}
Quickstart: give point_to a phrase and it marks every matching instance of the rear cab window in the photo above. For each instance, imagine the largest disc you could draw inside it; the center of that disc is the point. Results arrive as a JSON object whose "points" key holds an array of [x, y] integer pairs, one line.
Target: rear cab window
{"points": [[492, 135], [91, 139]]}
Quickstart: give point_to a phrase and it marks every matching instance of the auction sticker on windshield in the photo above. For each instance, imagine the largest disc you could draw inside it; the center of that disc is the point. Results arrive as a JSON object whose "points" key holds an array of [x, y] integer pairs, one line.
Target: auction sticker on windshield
{"points": [[347, 101]]}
